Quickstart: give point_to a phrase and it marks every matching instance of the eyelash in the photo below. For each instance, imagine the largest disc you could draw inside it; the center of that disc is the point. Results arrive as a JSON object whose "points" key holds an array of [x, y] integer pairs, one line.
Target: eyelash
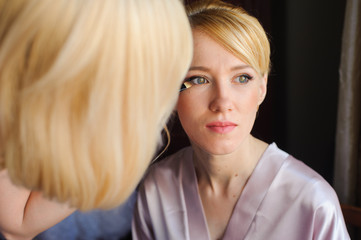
{"points": [[247, 78], [189, 82]]}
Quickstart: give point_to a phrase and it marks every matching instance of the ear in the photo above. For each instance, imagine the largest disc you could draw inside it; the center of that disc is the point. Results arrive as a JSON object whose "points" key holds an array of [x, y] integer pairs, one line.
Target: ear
{"points": [[263, 88]]}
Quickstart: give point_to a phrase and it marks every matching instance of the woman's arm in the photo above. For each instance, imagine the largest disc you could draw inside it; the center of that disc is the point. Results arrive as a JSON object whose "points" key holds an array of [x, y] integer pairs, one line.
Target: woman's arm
{"points": [[328, 221], [24, 213]]}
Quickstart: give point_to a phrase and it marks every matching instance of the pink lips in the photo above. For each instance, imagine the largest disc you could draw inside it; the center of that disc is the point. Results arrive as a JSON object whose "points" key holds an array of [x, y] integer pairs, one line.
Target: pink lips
{"points": [[221, 127]]}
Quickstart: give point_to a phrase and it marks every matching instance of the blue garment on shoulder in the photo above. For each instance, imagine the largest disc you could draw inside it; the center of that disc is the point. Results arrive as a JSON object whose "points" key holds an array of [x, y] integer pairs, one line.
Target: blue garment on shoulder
{"points": [[97, 224]]}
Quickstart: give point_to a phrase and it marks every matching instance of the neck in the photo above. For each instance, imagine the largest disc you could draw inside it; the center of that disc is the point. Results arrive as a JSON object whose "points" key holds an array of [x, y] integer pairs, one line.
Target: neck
{"points": [[220, 173]]}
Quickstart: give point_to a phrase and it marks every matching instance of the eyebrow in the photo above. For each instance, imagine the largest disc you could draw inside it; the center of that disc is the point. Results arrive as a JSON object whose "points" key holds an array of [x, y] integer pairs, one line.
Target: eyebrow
{"points": [[198, 68], [238, 67]]}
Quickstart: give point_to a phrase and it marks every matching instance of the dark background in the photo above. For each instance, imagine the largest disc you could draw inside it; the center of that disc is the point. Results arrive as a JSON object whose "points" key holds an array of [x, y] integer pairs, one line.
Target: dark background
{"points": [[300, 109]]}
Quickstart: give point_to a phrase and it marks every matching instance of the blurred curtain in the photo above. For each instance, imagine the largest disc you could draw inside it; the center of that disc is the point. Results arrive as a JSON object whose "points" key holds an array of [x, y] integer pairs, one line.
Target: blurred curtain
{"points": [[347, 174], [347, 177]]}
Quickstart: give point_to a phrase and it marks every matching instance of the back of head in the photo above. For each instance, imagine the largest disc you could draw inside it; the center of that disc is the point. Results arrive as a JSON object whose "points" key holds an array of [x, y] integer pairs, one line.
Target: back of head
{"points": [[234, 29], [85, 89]]}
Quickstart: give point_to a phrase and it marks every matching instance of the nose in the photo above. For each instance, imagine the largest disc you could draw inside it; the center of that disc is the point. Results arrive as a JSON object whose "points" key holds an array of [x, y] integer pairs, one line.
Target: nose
{"points": [[221, 100]]}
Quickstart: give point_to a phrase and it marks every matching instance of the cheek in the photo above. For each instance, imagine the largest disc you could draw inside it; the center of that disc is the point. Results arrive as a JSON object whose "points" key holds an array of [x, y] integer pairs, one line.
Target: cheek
{"points": [[184, 106], [187, 109], [250, 102]]}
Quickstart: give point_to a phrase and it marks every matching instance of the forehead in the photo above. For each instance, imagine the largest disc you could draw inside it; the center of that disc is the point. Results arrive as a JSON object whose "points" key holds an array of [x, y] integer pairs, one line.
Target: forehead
{"points": [[207, 51]]}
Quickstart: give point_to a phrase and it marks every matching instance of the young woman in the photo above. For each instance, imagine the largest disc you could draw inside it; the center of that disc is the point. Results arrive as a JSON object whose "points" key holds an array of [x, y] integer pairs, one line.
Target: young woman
{"points": [[228, 184], [85, 88]]}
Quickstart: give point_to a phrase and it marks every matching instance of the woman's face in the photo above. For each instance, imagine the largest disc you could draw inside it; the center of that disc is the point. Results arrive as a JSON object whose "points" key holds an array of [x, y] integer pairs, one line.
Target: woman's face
{"points": [[218, 108]]}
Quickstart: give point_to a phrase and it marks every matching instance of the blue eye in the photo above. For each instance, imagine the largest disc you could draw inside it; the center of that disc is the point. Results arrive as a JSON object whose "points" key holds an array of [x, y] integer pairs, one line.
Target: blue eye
{"points": [[197, 80], [189, 82], [244, 78]]}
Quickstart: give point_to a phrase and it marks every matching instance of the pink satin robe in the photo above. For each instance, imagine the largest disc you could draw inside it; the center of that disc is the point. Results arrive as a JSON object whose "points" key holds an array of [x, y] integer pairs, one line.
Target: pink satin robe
{"points": [[283, 199]]}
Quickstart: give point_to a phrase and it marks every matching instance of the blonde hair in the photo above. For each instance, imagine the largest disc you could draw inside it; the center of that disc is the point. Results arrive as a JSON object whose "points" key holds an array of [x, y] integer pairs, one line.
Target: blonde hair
{"points": [[85, 89], [233, 28]]}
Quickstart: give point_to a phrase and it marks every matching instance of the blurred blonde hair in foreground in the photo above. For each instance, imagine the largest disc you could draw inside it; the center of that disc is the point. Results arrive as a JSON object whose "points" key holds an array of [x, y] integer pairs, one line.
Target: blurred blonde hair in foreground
{"points": [[85, 89]]}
